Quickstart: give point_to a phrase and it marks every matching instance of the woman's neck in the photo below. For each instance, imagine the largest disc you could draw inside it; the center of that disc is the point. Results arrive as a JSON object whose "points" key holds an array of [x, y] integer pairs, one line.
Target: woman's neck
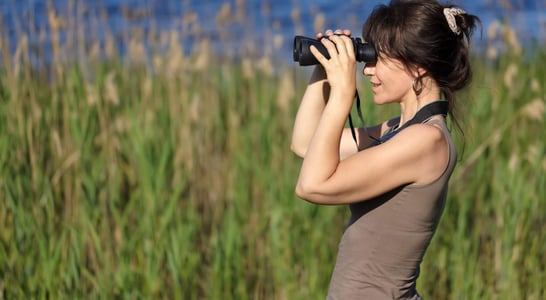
{"points": [[411, 106]]}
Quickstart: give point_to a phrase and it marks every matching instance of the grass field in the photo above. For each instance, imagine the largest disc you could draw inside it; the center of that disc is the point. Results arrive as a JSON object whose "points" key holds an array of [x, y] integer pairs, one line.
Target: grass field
{"points": [[169, 176]]}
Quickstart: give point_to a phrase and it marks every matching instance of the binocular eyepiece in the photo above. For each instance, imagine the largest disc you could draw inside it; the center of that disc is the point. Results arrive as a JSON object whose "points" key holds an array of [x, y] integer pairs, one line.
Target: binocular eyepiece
{"points": [[364, 52]]}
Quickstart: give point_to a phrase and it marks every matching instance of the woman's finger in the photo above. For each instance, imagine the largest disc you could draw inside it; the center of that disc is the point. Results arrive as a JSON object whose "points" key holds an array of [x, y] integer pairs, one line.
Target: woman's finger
{"points": [[331, 46], [348, 46], [341, 44], [320, 58]]}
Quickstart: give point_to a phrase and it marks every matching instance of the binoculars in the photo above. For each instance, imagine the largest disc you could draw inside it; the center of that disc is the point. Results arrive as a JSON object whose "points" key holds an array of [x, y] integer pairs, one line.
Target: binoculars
{"points": [[364, 52]]}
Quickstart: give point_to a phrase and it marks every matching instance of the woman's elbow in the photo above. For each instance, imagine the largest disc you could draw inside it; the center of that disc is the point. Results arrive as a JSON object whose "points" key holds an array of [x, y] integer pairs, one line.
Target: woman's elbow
{"points": [[300, 192], [298, 150], [306, 192]]}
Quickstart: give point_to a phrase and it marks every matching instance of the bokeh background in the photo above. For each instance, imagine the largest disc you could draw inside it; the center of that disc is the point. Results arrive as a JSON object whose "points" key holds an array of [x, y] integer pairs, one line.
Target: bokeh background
{"points": [[144, 153]]}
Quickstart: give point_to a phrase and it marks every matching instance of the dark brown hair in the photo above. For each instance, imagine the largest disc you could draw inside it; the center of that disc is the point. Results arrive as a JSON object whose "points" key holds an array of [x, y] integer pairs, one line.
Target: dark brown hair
{"points": [[417, 33]]}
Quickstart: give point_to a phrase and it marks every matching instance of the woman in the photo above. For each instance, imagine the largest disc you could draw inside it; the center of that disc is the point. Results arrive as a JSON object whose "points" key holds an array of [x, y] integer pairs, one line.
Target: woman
{"points": [[395, 185]]}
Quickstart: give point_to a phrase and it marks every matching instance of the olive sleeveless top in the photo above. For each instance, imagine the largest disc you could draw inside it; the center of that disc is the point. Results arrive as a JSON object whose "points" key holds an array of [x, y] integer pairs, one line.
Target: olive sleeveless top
{"points": [[382, 247]]}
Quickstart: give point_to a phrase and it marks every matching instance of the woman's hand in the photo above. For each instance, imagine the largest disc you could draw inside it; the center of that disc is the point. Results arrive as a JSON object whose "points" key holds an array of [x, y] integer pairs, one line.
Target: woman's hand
{"points": [[329, 33], [341, 67]]}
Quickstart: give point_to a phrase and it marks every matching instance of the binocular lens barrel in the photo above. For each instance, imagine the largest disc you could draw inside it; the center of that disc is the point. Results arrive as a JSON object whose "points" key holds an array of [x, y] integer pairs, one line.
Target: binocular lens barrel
{"points": [[364, 52]]}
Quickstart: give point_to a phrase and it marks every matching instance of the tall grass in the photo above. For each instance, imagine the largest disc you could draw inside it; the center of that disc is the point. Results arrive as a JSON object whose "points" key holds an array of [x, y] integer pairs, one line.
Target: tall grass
{"points": [[168, 175]]}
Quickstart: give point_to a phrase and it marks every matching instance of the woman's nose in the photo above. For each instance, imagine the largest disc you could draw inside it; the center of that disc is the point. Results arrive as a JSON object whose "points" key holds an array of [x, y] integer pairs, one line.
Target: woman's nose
{"points": [[369, 69]]}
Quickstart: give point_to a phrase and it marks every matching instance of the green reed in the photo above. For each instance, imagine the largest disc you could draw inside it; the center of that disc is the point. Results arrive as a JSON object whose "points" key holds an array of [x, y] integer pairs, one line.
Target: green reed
{"points": [[169, 176]]}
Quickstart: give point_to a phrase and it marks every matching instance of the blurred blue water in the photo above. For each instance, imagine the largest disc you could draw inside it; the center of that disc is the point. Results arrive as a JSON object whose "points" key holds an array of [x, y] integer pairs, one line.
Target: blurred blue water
{"points": [[259, 21]]}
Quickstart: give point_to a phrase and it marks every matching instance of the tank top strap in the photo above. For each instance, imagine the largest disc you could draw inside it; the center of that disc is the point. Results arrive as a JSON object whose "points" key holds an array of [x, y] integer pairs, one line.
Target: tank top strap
{"points": [[452, 158]]}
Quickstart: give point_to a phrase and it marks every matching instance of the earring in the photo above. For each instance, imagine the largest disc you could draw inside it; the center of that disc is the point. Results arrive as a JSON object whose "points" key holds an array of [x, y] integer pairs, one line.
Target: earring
{"points": [[417, 85]]}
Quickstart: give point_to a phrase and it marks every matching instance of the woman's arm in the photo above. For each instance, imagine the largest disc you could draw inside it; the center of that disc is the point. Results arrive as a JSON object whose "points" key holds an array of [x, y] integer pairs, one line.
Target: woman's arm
{"points": [[323, 152], [311, 108], [309, 111], [417, 155]]}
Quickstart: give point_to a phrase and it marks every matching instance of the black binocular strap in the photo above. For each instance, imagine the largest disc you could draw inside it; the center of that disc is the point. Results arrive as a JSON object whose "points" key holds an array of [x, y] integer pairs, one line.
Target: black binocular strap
{"points": [[439, 107]]}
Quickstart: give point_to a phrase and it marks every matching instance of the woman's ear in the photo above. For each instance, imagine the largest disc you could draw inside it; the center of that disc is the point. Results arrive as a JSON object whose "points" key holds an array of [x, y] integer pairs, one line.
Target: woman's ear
{"points": [[418, 72]]}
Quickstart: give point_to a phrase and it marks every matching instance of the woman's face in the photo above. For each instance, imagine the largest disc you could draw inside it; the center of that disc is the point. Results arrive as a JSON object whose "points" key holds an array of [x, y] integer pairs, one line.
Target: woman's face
{"points": [[390, 79]]}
